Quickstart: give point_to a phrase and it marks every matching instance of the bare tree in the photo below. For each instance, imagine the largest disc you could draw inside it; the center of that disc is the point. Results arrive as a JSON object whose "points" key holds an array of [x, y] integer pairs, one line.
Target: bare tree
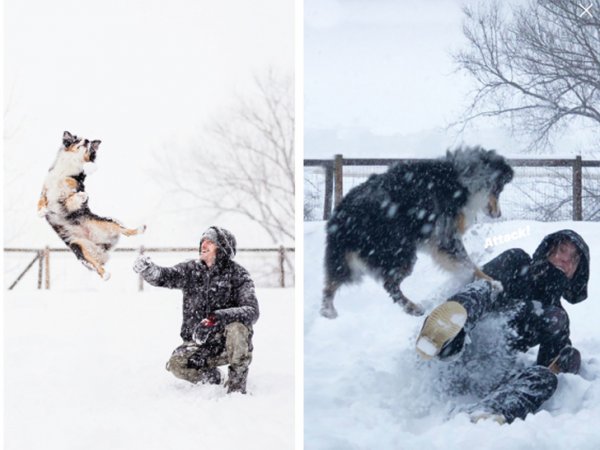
{"points": [[312, 195], [245, 162], [537, 65], [17, 165]]}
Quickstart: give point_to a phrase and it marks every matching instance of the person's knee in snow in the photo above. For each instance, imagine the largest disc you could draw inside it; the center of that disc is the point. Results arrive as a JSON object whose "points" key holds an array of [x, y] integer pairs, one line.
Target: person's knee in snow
{"points": [[180, 356], [555, 321]]}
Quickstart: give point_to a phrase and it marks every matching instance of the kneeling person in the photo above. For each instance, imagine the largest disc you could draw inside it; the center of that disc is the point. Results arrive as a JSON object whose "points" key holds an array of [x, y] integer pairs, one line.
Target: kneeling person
{"points": [[219, 309]]}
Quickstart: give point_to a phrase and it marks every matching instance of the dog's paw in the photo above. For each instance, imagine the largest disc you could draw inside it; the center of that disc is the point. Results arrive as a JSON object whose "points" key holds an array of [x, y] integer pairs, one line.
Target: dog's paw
{"points": [[105, 276], [42, 212], [414, 310], [141, 229], [329, 312]]}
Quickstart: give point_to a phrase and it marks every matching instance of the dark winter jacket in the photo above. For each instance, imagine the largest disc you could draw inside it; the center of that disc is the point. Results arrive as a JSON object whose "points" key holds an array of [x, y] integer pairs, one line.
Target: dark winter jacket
{"points": [[225, 290], [535, 278]]}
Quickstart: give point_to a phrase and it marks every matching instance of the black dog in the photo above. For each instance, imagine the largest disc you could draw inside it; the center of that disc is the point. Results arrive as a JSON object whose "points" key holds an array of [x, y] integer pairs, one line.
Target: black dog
{"points": [[380, 224]]}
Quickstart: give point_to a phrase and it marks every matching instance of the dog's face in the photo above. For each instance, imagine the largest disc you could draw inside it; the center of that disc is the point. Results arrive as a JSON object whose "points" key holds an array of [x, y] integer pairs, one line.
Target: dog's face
{"points": [[75, 144], [502, 174], [493, 207], [484, 173]]}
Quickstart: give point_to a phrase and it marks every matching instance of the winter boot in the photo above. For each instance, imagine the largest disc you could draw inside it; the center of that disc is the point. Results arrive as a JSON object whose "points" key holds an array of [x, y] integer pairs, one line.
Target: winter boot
{"points": [[483, 415], [443, 334], [236, 381]]}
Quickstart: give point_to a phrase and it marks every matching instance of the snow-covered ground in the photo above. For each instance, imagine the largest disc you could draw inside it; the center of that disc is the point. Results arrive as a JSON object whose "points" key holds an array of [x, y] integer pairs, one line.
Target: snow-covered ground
{"points": [[86, 370], [366, 389]]}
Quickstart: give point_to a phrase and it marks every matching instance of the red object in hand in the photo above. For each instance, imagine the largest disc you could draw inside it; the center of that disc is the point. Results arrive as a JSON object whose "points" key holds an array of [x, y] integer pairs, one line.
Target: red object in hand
{"points": [[210, 321]]}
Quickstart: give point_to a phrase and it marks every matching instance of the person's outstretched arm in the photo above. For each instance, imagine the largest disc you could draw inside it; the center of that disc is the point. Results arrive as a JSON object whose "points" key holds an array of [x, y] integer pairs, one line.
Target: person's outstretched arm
{"points": [[170, 277]]}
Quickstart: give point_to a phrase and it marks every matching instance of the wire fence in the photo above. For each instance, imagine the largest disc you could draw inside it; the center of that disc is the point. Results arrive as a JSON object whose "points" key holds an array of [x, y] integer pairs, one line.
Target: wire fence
{"points": [[542, 189], [57, 268]]}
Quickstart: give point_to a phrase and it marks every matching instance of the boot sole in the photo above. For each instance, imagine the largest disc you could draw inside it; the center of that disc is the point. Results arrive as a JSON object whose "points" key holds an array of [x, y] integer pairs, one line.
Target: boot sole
{"points": [[483, 416], [441, 326]]}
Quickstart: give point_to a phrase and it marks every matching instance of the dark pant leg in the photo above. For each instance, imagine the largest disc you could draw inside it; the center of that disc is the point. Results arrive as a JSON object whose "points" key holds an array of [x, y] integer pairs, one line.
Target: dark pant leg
{"points": [[535, 324], [520, 395], [478, 298], [554, 334]]}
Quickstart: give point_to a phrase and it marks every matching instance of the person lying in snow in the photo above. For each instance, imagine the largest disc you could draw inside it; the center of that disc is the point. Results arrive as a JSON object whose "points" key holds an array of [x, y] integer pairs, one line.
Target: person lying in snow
{"points": [[219, 309], [530, 304]]}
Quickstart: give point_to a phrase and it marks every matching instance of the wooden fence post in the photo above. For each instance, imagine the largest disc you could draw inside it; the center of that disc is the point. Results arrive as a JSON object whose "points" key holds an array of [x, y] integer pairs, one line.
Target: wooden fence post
{"points": [[338, 167], [47, 262], [141, 279], [328, 191], [22, 274], [281, 266], [40, 268], [42, 256], [577, 189]]}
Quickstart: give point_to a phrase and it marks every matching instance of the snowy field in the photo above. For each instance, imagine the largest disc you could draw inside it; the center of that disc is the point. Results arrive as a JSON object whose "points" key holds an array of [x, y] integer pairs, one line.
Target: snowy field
{"points": [[85, 370], [366, 389]]}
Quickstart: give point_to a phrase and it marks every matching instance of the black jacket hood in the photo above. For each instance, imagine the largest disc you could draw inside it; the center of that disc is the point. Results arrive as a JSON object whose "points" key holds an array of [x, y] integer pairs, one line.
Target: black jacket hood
{"points": [[224, 239], [576, 289]]}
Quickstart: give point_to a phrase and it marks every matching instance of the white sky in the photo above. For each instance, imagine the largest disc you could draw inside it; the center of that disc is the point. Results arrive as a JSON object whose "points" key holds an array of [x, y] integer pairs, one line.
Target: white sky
{"points": [[145, 76], [142, 76], [381, 65], [380, 81]]}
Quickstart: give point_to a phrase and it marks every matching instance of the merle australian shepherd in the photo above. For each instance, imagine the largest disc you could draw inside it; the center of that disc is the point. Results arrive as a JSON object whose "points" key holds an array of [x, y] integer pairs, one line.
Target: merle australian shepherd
{"points": [[64, 204], [380, 224]]}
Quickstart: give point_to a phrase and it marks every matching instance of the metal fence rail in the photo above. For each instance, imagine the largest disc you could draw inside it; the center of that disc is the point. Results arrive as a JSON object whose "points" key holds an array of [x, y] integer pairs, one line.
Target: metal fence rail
{"points": [[42, 256], [328, 186]]}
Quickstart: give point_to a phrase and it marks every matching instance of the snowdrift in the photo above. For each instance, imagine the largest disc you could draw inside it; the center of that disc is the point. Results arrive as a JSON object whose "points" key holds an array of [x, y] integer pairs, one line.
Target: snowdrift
{"points": [[365, 387], [86, 370]]}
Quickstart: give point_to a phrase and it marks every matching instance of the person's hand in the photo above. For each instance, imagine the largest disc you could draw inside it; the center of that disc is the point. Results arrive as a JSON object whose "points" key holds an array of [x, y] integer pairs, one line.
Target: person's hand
{"points": [[497, 287], [141, 263], [209, 321], [205, 329]]}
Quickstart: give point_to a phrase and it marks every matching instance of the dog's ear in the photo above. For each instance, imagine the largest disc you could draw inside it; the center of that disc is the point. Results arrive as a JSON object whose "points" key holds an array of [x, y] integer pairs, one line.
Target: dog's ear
{"points": [[93, 149], [68, 138]]}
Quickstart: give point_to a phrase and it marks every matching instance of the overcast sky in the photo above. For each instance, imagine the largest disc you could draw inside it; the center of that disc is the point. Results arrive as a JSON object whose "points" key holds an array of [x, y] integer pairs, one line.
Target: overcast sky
{"points": [[141, 75], [146, 75], [380, 81], [381, 65]]}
